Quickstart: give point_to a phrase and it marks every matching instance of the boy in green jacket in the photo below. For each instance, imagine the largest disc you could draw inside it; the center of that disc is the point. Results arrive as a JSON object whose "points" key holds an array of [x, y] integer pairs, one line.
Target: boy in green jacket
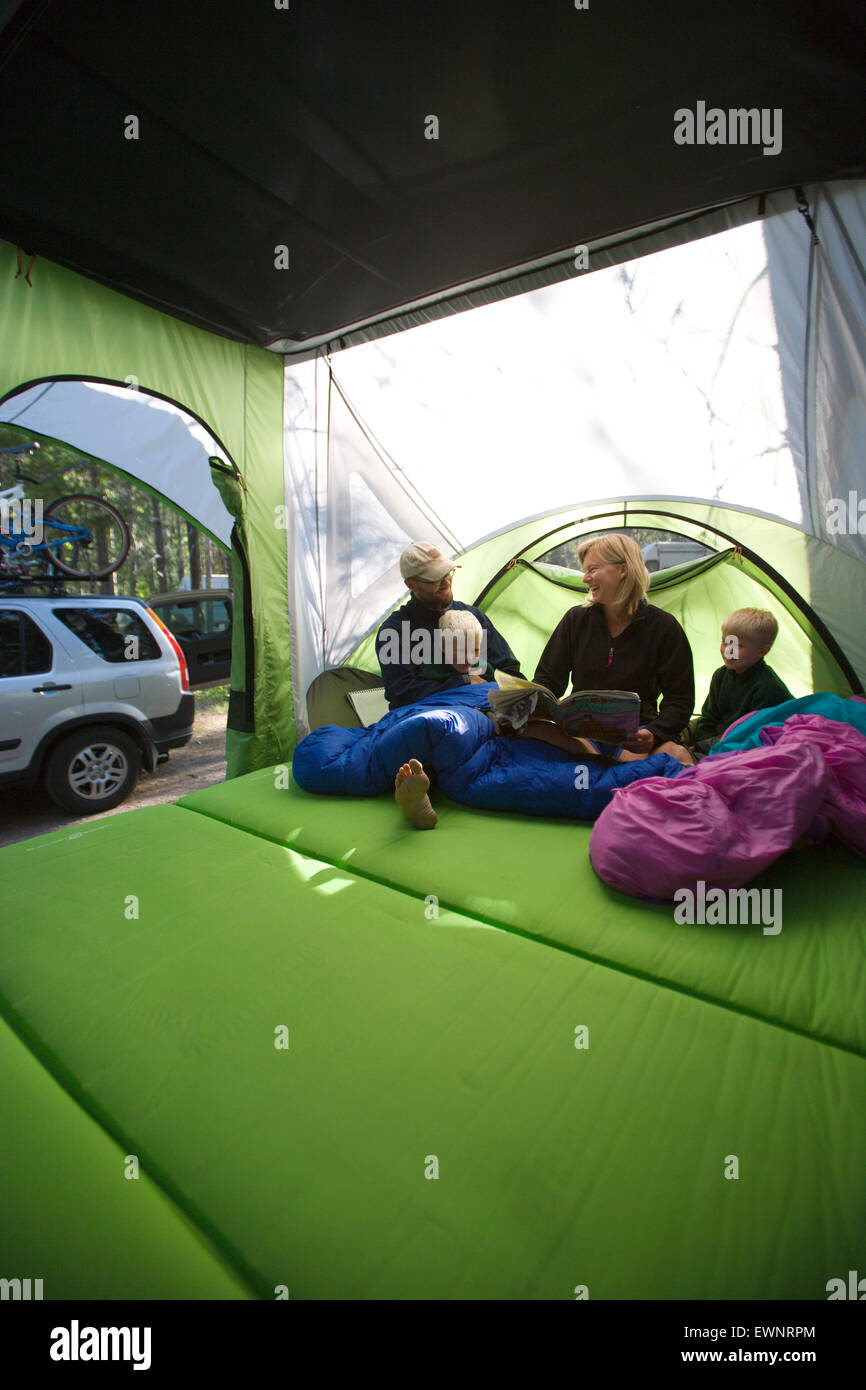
{"points": [[745, 682]]}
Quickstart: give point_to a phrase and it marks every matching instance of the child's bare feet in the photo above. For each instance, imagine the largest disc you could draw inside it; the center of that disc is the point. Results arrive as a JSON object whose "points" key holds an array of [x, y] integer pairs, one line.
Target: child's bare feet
{"points": [[410, 792]]}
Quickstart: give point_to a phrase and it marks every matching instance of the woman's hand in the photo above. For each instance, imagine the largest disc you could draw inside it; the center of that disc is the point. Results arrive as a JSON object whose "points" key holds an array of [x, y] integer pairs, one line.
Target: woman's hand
{"points": [[643, 742]]}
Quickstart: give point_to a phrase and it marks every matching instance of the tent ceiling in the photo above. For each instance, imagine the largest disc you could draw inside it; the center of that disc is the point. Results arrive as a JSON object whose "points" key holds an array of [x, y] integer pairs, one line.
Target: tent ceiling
{"points": [[262, 126]]}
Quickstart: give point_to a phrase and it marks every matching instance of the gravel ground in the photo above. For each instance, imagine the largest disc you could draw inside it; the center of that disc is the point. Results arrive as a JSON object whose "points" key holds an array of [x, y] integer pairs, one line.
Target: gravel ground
{"points": [[202, 762]]}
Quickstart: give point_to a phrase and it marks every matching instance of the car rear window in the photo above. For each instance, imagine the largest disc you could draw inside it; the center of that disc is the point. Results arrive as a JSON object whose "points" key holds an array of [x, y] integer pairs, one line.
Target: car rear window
{"points": [[24, 648], [115, 634], [195, 619]]}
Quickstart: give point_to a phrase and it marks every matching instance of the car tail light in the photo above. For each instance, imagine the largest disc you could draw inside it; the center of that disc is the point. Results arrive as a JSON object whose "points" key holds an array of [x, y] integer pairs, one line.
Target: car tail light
{"points": [[184, 673]]}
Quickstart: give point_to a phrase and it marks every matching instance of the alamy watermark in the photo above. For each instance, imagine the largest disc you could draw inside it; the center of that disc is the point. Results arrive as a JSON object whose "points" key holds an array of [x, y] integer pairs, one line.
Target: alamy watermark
{"points": [[736, 126], [449, 646], [21, 1289], [21, 519], [77, 1343], [846, 518], [854, 1289], [716, 907]]}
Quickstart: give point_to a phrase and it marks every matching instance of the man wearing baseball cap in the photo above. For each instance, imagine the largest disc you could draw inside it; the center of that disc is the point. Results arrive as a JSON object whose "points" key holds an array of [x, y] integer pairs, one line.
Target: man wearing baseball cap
{"points": [[401, 648]]}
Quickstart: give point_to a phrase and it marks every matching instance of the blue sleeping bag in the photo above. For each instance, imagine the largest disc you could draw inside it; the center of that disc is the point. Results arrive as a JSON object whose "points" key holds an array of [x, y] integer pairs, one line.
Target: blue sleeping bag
{"points": [[448, 732]]}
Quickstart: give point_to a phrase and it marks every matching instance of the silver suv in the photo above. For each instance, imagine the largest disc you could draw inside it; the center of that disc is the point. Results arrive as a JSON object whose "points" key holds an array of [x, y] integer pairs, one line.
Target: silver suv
{"points": [[91, 689]]}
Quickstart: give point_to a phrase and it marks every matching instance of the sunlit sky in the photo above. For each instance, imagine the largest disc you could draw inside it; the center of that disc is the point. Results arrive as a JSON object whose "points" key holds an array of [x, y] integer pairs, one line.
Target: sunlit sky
{"points": [[660, 376]]}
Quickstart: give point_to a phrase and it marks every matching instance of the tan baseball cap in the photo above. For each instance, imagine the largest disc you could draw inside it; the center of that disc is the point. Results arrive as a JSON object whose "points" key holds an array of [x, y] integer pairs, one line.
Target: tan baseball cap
{"points": [[422, 561]]}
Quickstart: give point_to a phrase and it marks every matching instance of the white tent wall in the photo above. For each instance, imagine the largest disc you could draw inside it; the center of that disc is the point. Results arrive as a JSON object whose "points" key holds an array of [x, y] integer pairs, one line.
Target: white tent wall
{"points": [[836, 395], [684, 374], [819, 290], [351, 514], [152, 440], [305, 444]]}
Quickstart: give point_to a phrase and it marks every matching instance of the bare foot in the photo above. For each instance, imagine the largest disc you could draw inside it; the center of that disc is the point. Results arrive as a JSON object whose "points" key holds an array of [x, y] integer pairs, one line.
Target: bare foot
{"points": [[410, 792]]}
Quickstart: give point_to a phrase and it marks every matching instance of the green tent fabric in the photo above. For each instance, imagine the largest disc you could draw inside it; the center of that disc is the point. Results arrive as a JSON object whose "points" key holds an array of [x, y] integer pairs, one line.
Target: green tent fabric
{"points": [[437, 1124], [261, 664], [62, 326]]}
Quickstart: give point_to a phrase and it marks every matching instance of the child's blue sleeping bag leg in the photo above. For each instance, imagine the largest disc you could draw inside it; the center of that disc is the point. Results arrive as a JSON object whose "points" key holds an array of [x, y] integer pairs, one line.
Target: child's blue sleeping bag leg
{"points": [[472, 763], [529, 776]]}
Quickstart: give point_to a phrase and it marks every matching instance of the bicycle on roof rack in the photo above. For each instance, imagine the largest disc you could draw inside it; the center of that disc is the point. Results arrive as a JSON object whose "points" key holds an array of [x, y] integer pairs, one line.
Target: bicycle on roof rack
{"points": [[68, 537]]}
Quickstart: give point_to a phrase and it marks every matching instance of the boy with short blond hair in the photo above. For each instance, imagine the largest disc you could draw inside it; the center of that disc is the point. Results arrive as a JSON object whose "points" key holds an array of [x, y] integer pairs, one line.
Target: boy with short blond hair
{"points": [[745, 682], [465, 643]]}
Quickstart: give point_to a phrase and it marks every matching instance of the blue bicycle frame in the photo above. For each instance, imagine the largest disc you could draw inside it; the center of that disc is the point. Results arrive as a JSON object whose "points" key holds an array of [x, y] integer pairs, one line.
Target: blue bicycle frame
{"points": [[17, 542], [12, 539]]}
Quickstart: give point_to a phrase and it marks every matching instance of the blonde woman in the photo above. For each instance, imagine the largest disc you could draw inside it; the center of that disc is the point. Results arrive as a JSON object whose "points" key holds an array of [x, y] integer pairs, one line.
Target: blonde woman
{"points": [[618, 641]]}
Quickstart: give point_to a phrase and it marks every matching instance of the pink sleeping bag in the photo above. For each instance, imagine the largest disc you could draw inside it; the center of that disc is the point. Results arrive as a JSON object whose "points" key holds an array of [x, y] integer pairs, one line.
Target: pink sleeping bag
{"points": [[728, 818]]}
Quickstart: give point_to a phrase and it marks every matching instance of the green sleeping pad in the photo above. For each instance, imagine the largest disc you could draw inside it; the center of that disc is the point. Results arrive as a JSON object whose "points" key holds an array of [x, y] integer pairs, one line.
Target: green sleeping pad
{"points": [[533, 875], [337, 1089]]}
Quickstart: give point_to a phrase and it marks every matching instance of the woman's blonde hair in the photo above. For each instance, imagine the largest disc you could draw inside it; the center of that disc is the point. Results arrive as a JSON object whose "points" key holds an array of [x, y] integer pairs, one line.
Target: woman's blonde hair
{"points": [[618, 549]]}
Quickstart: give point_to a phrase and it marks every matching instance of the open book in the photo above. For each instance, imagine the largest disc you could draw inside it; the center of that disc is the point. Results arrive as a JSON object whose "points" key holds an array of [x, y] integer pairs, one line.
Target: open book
{"points": [[607, 715]]}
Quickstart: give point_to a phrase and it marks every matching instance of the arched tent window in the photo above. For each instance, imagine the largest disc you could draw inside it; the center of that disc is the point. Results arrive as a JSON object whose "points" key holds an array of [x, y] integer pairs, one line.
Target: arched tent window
{"points": [[661, 549], [149, 438]]}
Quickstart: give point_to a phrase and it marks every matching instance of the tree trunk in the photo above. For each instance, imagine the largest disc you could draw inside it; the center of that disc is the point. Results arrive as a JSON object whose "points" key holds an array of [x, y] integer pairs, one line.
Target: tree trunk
{"points": [[178, 541], [159, 538], [106, 585], [194, 556], [133, 559]]}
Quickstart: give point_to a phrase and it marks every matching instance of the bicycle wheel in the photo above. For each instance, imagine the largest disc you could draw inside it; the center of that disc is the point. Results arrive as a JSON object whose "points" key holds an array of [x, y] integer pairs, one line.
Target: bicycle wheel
{"points": [[86, 536]]}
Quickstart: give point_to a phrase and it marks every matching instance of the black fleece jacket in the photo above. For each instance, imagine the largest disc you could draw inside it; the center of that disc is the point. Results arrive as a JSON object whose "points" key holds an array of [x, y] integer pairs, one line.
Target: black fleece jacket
{"points": [[652, 656]]}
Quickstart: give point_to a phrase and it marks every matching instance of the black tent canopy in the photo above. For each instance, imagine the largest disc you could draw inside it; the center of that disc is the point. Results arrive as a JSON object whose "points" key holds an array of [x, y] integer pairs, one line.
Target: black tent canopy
{"points": [[308, 127]]}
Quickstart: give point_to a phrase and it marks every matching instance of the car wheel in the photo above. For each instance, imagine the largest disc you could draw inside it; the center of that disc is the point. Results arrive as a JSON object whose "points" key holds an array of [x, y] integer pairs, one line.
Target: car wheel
{"points": [[92, 770]]}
